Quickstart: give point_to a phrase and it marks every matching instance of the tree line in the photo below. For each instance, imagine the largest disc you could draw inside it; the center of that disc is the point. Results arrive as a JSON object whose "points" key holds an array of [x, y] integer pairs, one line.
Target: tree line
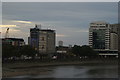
{"points": [[9, 51], [83, 51], [17, 51]]}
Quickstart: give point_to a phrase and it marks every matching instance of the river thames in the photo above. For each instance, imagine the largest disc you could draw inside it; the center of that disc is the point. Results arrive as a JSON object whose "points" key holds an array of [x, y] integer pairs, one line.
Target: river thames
{"points": [[86, 71]]}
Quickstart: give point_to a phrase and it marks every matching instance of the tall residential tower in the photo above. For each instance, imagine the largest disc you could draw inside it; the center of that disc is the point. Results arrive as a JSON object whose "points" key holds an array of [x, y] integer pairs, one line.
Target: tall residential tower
{"points": [[43, 40]]}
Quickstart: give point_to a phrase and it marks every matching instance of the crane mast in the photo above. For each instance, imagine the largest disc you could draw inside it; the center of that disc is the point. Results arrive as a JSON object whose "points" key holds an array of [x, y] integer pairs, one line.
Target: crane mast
{"points": [[7, 33]]}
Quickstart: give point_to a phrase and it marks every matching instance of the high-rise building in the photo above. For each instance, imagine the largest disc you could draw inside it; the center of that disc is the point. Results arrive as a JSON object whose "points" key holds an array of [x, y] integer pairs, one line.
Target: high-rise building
{"points": [[103, 37], [114, 36], [119, 38], [33, 40], [43, 40], [99, 35], [119, 28]]}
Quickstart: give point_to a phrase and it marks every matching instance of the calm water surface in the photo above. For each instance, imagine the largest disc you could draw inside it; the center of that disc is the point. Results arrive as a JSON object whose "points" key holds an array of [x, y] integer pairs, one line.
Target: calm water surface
{"points": [[88, 71]]}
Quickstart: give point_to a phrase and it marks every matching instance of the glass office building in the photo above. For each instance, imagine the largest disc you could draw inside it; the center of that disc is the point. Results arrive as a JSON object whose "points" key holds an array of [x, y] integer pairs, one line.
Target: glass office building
{"points": [[99, 35], [99, 39], [103, 37]]}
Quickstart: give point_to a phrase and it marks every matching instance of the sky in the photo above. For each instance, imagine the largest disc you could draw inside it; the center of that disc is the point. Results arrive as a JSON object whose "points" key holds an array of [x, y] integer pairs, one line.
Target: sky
{"points": [[60, 0], [70, 19]]}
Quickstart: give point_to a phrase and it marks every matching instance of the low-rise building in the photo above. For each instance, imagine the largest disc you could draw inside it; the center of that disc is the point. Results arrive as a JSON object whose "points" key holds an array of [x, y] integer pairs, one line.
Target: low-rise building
{"points": [[62, 49], [13, 41]]}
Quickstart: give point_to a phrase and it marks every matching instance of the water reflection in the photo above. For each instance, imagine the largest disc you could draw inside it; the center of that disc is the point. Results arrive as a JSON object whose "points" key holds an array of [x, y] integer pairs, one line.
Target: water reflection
{"points": [[108, 71], [75, 72]]}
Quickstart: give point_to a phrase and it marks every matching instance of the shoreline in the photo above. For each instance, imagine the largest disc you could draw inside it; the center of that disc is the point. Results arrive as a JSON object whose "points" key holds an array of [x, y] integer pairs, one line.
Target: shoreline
{"points": [[26, 68]]}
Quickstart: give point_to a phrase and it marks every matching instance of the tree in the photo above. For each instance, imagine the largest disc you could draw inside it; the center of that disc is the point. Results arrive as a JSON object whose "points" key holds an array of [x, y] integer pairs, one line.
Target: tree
{"points": [[87, 51], [28, 51], [83, 51], [16, 51], [9, 51], [76, 50]]}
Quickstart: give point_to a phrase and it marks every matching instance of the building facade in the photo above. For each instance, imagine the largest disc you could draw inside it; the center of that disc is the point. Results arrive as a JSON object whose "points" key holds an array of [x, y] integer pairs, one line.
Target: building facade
{"points": [[114, 36], [42, 40], [119, 38], [33, 40], [60, 43], [13, 41], [103, 37]]}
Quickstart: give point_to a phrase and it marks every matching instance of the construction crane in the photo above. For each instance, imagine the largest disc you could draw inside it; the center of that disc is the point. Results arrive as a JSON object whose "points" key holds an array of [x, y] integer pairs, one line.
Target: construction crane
{"points": [[7, 33]]}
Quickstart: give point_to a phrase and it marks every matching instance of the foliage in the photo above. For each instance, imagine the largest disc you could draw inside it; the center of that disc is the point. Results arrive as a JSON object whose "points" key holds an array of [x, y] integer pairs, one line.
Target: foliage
{"points": [[17, 51], [83, 51], [27, 50], [9, 51], [76, 50]]}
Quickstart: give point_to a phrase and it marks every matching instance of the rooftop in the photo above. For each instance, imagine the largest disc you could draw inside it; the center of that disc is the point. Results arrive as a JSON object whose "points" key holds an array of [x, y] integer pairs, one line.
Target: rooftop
{"points": [[14, 39], [99, 22]]}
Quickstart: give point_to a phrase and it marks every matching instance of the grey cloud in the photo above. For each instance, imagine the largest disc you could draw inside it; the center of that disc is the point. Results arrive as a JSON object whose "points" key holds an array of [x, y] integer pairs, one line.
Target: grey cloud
{"points": [[62, 16], [60, 1]]}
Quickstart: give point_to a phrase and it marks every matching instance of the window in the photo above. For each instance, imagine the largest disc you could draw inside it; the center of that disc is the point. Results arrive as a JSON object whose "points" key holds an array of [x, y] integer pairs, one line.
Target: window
{"points": [[98, 39], [42, 38], [42, 47]]}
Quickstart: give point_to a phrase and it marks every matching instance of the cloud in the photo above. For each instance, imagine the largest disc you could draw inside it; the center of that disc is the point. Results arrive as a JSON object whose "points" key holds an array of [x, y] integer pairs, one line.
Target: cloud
{"points": [[14, 33], [82, 31], [26, 22], [14, 30], [60, 1], [61, 35], [4, 26], [10, 30], [70, 20]]}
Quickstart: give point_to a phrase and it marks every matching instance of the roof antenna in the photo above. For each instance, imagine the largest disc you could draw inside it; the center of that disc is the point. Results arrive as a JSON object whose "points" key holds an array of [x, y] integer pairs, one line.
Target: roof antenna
{"points": [[36, 26]]}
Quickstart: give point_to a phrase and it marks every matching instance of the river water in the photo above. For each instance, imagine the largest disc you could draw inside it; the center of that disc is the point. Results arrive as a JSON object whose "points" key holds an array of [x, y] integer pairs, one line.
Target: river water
{"points": [[86, 71]]}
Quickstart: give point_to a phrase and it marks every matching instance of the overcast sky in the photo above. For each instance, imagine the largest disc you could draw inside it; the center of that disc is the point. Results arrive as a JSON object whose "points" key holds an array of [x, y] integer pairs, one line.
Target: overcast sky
{"points": [[59, 0], [70, 20]]}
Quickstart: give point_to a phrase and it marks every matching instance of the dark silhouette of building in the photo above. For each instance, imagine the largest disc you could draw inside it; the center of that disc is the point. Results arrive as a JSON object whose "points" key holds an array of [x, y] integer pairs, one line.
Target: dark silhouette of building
{"points": [[13, 41]]}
